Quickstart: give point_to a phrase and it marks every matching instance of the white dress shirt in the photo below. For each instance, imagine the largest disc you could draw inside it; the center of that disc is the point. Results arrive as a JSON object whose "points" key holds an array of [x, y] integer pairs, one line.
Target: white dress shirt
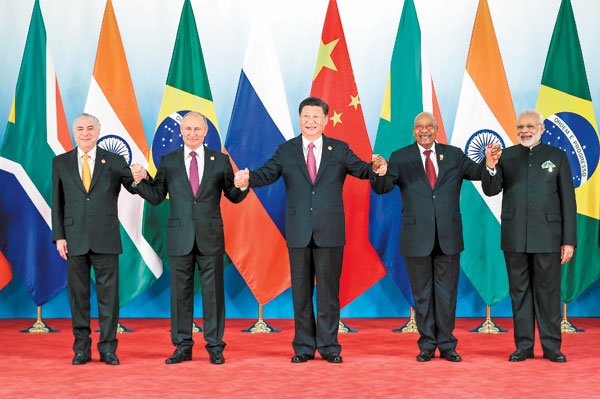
{"points": [[432, 156], [317, 150], [91, 160], [199, 158]]}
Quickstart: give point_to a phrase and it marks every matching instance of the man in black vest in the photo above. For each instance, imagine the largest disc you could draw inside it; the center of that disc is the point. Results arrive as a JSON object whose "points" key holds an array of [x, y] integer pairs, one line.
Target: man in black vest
{"points": [[538, 232], [85, 227], [430, 177], [194, 177], [314, 168]]}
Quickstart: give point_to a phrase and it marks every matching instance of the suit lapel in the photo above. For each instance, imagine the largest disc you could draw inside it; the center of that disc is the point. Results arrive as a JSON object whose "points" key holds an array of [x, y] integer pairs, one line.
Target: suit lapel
{"points": [[209, 161], [298, 153], [98, 167], [440, 151], [73, 164], [180, 165], [417, 162], [326, 153]]}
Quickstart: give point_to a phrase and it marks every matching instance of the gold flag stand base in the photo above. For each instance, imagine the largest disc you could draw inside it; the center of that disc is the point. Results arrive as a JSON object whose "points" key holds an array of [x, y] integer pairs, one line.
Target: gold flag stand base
{"points": [[261, 327], [196, 328], [344, 329], [411, 325], [488, 326], [565, 325], [120, 329], [39, 327]]}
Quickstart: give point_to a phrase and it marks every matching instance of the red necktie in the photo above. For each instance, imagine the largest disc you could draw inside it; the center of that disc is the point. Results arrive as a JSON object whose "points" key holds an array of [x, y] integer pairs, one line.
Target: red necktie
{"points": [[429, 169], [194, 180], [311, 164]]}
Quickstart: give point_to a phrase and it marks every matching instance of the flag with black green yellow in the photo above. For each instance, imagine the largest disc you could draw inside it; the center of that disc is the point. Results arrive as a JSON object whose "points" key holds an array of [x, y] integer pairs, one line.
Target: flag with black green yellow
{"points": [[565, 101]]}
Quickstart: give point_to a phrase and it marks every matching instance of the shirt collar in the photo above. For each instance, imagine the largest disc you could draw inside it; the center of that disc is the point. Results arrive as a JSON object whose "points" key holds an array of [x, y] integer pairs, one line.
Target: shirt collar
{"points": [[199, 151], [91, 153], [423, 149], [318, 142]]}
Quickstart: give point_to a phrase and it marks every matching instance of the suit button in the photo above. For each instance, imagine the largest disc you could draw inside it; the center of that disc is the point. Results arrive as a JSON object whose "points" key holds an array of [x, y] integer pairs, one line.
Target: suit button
{"points": [[434, 197], [87, 199], [195, 202], [313, 192], [530, 203], [311, 209], [530, 165]]}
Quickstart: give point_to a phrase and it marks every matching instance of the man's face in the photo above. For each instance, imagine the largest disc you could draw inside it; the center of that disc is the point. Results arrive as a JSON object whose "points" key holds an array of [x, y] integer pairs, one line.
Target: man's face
{"points": [[425, 131], [529, 130], [312, 122], [86, 133], [193, 131]]}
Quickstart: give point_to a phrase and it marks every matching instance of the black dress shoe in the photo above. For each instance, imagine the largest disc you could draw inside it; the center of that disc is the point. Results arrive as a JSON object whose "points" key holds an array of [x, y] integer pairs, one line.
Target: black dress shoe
{"points": [[217, 358], [109, 358], [333, 357], [179, 356], [425, 355], [556, 357], [302, 357], [81, 358], [520, 355], [450, 355]]}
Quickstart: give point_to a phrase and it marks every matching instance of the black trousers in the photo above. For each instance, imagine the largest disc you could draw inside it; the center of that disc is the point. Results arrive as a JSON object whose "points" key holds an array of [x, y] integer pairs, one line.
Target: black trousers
{"points": [[210, 269], [106, 269], [534, 285], [326, 264], [434, 282]]}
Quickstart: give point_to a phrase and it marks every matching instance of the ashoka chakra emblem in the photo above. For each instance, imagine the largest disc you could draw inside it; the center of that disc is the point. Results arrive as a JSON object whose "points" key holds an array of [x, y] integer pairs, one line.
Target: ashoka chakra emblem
{"points": [[116, 145], [475, 148]]}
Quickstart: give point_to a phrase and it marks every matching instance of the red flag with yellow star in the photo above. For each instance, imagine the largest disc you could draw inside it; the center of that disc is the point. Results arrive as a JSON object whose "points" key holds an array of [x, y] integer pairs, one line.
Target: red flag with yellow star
{"points": [[333, 82]]}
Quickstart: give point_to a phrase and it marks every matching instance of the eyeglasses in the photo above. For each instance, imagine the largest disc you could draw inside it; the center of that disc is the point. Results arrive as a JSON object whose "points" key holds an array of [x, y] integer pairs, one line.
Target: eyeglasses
{"points": [[419, 128], [528, 127]]}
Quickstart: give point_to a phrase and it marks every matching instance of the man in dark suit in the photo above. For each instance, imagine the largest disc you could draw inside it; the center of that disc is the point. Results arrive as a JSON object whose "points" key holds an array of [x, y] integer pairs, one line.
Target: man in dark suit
{"points": [[314, 168], [538, 232], [85, 226], [430, 177], [194, 178]]}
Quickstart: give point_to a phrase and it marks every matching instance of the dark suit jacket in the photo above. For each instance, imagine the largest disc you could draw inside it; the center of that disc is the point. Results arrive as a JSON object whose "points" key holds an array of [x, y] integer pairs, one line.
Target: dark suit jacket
{"points": [[314, 210], [88, 220], [192, 218], [423, 207], [539, 213]]}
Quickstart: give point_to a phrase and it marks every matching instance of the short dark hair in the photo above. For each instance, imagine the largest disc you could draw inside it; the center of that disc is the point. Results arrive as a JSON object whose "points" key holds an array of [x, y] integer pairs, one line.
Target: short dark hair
{"points": [[314, 101]]}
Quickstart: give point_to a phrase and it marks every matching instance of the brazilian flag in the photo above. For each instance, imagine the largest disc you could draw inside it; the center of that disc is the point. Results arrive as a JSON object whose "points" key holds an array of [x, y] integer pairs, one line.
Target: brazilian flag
{"points": [[565, 101]]}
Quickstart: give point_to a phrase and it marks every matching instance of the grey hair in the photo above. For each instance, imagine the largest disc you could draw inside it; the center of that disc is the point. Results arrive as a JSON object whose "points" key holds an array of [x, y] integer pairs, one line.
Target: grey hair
{"points": [[195, 114], [531, 112], [428, 114], [89, 116]]}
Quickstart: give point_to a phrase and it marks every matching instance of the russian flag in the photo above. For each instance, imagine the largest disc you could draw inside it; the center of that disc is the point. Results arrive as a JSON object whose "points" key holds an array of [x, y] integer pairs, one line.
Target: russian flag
{"points": [[260, 122]]}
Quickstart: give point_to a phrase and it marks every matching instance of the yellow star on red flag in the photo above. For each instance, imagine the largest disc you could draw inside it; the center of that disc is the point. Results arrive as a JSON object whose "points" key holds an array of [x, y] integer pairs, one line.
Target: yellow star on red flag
{"points": [[324, 59], [354, 101], [336, 118]]}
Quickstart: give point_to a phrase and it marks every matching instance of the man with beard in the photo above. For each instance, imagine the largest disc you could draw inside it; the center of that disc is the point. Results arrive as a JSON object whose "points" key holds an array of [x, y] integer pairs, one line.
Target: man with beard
{"points": [[538, 232]]}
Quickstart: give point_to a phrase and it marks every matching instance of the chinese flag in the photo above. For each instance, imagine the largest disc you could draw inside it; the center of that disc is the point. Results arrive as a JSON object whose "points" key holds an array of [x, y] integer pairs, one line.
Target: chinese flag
{"points": [[333, 82]]}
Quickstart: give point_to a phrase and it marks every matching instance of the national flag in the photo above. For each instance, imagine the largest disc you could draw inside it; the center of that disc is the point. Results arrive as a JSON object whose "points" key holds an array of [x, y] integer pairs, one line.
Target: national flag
{"points": [[112, 100], [333, 81], [260, 121], [409, 91], [37, 131], [485, 115], [187, 89], [5, 271], [565, 101]]}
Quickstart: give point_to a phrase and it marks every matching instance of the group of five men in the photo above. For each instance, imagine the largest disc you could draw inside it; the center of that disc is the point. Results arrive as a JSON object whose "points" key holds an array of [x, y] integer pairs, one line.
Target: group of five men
{"points": [[538, 230]]}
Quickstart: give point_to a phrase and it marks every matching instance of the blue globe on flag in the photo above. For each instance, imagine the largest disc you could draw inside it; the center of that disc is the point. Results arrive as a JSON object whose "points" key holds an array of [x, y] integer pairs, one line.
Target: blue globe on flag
{"points": [[576, 136], [168, 138]]}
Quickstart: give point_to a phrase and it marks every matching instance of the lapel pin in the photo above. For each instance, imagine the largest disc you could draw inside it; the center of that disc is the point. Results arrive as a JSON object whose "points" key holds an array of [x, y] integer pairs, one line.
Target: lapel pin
{"points": [[212, 157], [330, 148], [441, 157], [103, 161]]}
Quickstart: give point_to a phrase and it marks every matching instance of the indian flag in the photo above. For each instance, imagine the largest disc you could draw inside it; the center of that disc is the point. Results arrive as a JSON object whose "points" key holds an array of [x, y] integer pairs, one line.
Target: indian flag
{"points": [[111, 98], [566, 103], [485, 115]]}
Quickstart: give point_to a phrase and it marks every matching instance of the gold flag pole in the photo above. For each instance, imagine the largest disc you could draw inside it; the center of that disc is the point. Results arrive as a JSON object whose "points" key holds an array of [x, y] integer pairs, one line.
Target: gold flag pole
{"points": [[488, 326], [343, 328], [411, 325], [122, 329], [260, 326], [565, 325], [39, 327]]}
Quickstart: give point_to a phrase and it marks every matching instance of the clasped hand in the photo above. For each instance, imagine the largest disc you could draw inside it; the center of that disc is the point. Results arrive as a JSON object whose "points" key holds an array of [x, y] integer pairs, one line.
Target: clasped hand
{"points": [[493, 152], [138, 172], [242, 178], [379, 165]]}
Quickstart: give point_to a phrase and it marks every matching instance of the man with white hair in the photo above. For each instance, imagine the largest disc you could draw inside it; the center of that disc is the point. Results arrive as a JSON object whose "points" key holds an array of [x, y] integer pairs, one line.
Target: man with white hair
{"points": [[538, 232]]}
